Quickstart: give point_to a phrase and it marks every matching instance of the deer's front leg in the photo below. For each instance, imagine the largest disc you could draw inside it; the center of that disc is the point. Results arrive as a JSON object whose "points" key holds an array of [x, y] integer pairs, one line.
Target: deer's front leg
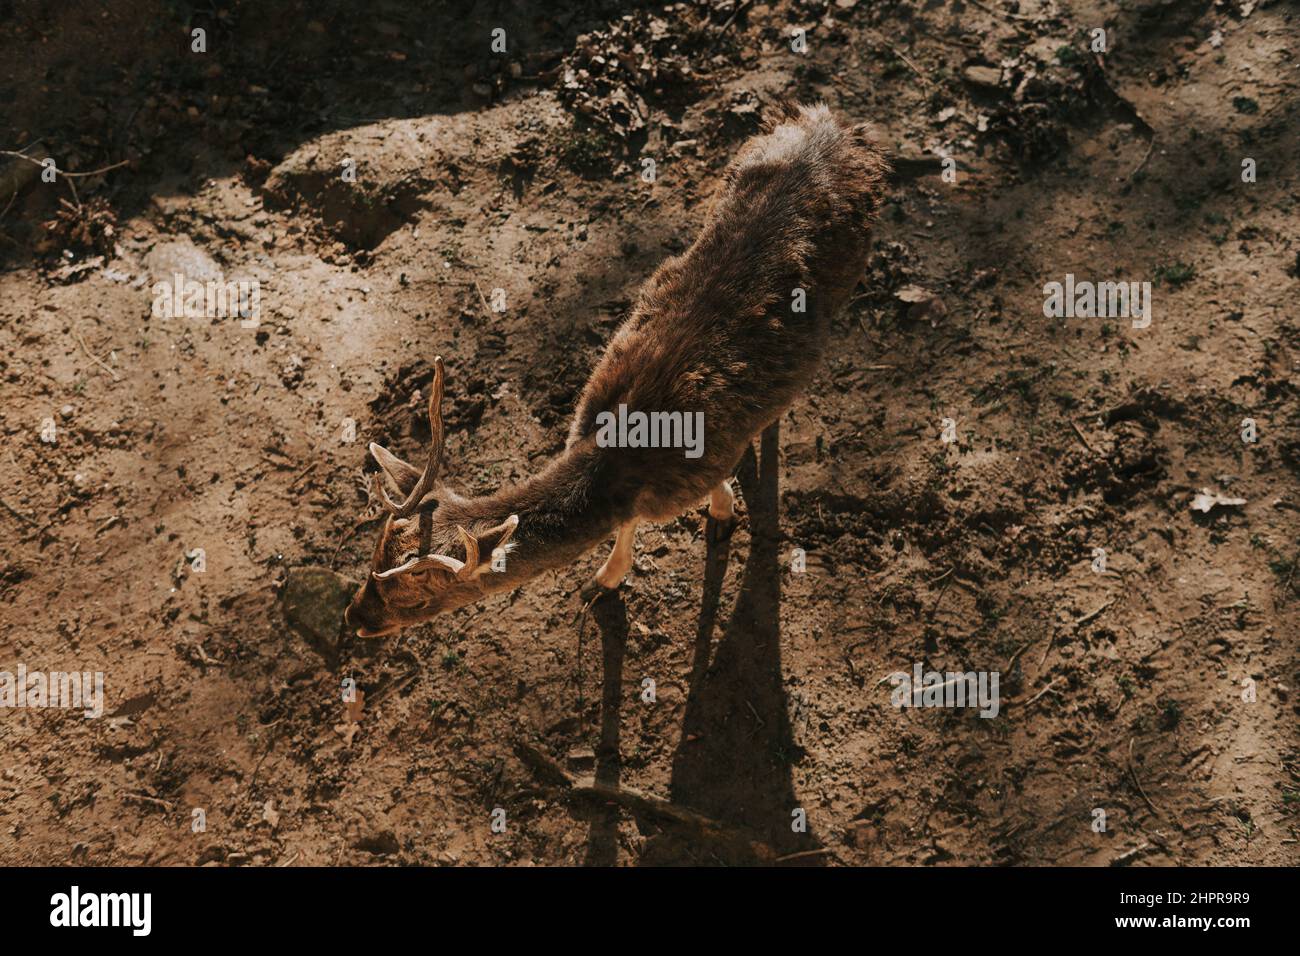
{"points": [[616, 566], [722, 513], [722, 502]]}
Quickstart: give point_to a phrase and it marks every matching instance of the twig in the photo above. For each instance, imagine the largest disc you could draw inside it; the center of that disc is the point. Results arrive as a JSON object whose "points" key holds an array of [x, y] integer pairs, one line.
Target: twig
{"points": [[732, 19], [17, 514], [1092, 615], [1046, 650], [85, 348], [931, 584], [482, 298], [638, 802], [1138, 118], [302, 474], [148, 799], [37, 162], [942, 591], [1023, 647], [355, 528], [1052, 683], [805, 855], [9, 204], [1124, 859], [1078, 431], [1138, 783], [1002, 13], [1151, 145], [393, 687], [925, 81], [1286, 585]]}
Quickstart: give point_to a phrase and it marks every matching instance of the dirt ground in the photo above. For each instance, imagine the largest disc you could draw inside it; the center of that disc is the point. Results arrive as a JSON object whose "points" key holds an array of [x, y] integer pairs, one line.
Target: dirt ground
{"points": [[1160, 691]]}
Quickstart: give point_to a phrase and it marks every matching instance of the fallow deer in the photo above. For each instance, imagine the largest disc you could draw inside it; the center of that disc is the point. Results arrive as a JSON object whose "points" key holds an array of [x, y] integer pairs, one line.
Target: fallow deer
{"points": [[734, 328]]}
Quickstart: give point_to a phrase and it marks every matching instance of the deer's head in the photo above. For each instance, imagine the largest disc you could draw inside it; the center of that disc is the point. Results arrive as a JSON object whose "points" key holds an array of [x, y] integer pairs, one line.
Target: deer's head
{"points": [[415, 571]]}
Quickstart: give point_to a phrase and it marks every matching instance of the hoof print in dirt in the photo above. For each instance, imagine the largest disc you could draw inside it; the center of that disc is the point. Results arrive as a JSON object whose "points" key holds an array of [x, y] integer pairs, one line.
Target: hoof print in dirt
{"points": [[314, 601]]}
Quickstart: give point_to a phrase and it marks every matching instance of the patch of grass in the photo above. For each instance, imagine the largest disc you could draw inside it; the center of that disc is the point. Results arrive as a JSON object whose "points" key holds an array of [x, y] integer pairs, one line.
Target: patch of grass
{"points": [[1171, 713], [894, 67], [583, 150], [1176, 274], [1285, 569], [1068, 55]]}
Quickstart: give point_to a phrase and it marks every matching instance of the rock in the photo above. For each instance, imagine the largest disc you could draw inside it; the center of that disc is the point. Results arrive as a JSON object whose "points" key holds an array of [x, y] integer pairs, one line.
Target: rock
{"points": [[314, 600], [989, 77], [912, 294], [863, 834], [183, 257], [1208, 500], [582, 759], [921, 304]]}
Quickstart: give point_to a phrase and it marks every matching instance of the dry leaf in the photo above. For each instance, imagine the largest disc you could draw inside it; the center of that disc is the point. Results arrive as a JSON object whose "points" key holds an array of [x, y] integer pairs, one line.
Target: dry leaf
{"points": [[352, 710]]}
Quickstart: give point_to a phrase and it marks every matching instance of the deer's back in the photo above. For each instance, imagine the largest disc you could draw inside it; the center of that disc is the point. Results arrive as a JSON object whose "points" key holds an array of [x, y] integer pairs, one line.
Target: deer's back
{"points": [[737, 325]]}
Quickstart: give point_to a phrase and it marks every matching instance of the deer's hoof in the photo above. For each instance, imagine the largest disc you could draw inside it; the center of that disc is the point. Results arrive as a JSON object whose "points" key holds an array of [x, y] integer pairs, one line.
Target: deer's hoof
{"points": [[593, 591], [719, 530]]}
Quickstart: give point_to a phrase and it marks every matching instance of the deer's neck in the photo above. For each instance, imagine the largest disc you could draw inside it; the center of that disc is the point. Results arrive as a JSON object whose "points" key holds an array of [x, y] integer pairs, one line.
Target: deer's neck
{"points": [[564, 511]]}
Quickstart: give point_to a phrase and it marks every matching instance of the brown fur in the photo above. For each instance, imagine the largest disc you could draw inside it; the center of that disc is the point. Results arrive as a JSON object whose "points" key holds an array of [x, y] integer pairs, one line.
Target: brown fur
{"points": [[713, 330]]}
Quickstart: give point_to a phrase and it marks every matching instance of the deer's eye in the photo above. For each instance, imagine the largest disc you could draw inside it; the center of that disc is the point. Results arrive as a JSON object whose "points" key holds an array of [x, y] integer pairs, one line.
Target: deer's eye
{"points": [[407, 598]]}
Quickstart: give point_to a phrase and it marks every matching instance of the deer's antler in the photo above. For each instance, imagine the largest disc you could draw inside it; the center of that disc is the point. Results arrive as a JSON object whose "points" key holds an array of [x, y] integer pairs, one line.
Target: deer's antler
{"points": [[434, 462]]}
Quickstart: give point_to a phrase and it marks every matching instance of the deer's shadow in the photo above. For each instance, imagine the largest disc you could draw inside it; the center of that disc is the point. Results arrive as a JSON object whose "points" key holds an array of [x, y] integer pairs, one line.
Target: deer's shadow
{"points": [[737, 749]]}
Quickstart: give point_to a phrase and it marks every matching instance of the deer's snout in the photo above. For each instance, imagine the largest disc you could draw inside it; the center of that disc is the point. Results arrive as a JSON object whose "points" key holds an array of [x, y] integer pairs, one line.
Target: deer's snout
{"points": [[365, 613]]}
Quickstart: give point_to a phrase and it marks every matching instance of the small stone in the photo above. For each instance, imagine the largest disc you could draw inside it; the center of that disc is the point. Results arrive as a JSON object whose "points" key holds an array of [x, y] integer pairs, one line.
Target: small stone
{"points": [[863, 834], [314, 600], [986, 76], [921, 304], [582, 759]]}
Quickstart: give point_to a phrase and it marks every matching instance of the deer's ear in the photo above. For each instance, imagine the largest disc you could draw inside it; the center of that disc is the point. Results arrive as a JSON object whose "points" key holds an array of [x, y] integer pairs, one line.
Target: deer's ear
{"points": [[399, 474], [481, 548]]}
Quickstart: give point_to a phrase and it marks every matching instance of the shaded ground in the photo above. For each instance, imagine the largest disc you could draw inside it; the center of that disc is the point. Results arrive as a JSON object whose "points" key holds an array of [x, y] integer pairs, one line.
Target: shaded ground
{"points": [[1121, 691]]}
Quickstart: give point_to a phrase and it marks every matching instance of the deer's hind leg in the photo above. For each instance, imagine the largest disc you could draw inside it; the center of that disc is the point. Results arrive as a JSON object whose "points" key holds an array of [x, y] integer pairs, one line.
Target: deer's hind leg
{"points": [[616, 566]]}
